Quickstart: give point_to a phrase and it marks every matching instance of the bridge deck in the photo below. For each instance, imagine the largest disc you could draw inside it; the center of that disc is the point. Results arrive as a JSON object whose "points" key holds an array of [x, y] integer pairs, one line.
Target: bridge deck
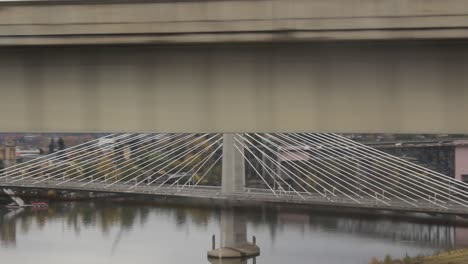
{"points": [[250, 194]]}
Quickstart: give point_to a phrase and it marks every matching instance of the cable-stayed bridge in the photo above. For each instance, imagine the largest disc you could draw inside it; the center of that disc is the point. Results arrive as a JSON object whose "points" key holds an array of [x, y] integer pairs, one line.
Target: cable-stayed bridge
{"points": [[298, 168]]}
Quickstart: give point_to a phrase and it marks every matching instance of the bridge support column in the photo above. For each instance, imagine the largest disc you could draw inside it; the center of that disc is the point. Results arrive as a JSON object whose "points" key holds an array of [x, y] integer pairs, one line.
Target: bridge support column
{"points": [[233, 175], [233, 230], [233, 242]]}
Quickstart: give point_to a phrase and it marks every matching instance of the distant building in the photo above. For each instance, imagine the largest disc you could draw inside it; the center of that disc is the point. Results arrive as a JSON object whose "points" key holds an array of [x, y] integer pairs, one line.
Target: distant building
{"points": [[106, 144], [8, 154], [23, 155], [461, 160]]}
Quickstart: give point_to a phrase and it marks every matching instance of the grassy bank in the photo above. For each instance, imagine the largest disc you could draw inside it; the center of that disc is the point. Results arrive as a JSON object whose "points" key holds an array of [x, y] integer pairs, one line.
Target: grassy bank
{"points": [[450, 257]]}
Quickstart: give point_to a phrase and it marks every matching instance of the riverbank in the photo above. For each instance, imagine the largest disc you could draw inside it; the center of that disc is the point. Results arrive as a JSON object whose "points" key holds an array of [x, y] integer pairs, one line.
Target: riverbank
{"points": [[459, 256]]}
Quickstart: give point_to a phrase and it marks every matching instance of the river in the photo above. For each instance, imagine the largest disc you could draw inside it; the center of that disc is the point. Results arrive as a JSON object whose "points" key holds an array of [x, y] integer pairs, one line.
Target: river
{"points": [[105, 232]]}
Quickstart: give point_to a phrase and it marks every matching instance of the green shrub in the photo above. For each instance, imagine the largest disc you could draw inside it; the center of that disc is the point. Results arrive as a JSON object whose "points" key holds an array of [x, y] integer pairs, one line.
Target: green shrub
{"points": [[388, 259], [407, 260]]}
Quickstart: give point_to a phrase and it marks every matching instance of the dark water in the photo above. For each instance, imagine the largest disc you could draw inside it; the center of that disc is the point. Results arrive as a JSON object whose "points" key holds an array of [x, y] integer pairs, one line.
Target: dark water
{"points": [[115, 233]]}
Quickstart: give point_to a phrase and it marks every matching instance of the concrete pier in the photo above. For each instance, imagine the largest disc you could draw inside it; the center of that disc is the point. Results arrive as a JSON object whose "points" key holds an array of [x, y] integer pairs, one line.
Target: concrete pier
{"points": [[247, 250], [233, 239]]}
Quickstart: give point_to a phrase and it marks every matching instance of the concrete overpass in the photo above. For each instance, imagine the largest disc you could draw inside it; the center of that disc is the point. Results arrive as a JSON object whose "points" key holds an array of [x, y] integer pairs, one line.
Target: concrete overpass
{"points": [[199, 21], [258, 65]]}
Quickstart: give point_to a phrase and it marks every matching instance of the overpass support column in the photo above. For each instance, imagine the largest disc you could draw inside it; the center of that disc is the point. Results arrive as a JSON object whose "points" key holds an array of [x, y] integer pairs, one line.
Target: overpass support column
{"points": [[233, 175]]}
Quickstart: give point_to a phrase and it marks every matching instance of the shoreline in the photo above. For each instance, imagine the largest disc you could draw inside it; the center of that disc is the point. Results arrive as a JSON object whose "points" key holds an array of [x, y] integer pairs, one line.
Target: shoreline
{"points": [[457, 256]]}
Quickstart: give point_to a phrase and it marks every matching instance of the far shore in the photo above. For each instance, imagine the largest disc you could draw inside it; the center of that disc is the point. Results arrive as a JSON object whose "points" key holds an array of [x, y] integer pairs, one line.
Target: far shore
{"points": [[459, 256]]}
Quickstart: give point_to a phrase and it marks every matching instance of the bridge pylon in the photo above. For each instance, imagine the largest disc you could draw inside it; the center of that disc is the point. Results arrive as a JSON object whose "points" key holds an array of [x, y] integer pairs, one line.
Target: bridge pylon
{"points": [[233, 172]]}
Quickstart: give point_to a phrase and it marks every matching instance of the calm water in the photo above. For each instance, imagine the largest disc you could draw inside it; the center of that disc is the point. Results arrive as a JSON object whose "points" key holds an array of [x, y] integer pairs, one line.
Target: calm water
{"points": [[113, 233]]}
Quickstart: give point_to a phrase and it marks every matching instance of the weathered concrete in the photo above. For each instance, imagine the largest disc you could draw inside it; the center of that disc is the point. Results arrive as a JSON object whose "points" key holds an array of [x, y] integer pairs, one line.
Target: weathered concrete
{"points": [[371, 87], [191, 21], [246, 250], [233, 175], [234, 242], [233, 229]]}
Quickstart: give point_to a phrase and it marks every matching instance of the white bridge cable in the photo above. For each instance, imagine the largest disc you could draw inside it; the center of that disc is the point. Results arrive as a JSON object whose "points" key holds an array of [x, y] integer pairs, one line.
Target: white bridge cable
{"points": [[346, 175], [52, 156], [315, 167], [178, 158], [420, 194], [272, 174], [312, 166], [400, 160], [206, 172], [410, 179], [289, 172], [131, 163], [333, 168], [445, 192], [344, 166], [401, 163], [376, 167], [88, 159], [253, 167], [187, 162], [276, 182], [148, 163], [347, 165], [172, 160], [91, 160], [204, 161], [284, 168], [166, 154], [49, 163], [126, 163]]}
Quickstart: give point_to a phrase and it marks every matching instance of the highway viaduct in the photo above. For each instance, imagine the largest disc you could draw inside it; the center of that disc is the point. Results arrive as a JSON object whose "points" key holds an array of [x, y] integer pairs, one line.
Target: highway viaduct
{"points": [[234, 66]]}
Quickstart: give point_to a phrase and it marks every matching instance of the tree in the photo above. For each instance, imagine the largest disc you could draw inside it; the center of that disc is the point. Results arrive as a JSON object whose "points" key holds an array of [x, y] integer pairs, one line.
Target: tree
{"points": [[61, 144], [52, 146]]}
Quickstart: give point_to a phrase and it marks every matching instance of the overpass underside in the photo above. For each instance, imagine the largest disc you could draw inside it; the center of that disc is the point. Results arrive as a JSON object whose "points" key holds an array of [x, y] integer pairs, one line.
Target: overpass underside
{"points": [[392, 87], [234, 66]]}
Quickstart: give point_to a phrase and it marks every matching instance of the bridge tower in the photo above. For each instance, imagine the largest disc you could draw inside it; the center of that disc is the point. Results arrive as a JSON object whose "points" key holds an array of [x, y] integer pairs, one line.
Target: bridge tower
{"points": [[233, 174]]}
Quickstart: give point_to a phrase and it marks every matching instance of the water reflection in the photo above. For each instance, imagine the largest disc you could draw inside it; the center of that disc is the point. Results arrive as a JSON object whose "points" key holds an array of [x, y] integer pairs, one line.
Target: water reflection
{"points": [[104, 232]]}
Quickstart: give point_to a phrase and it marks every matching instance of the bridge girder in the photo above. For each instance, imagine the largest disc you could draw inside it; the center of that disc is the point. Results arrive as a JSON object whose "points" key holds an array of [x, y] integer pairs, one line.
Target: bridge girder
{"points": [[378, 87]]}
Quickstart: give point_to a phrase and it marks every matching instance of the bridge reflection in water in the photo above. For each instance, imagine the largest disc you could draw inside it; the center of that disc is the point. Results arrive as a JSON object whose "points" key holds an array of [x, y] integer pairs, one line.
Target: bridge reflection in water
{"points": [[16, 226]]}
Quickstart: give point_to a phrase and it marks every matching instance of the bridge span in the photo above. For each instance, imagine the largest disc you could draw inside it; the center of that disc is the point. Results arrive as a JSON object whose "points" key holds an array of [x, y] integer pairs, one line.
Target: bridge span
{"points": [[311, 169], [251, 196]]}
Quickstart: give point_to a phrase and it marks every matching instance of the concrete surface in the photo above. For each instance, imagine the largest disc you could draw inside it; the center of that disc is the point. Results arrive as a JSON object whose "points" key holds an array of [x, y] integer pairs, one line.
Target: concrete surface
{"points": [[243, 251], [365, 87], [195, 21]]}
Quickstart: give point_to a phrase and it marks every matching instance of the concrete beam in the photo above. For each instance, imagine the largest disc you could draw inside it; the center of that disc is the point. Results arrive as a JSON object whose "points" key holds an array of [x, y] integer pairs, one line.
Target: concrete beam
{"points": [[366, 87], [195, 21]]}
